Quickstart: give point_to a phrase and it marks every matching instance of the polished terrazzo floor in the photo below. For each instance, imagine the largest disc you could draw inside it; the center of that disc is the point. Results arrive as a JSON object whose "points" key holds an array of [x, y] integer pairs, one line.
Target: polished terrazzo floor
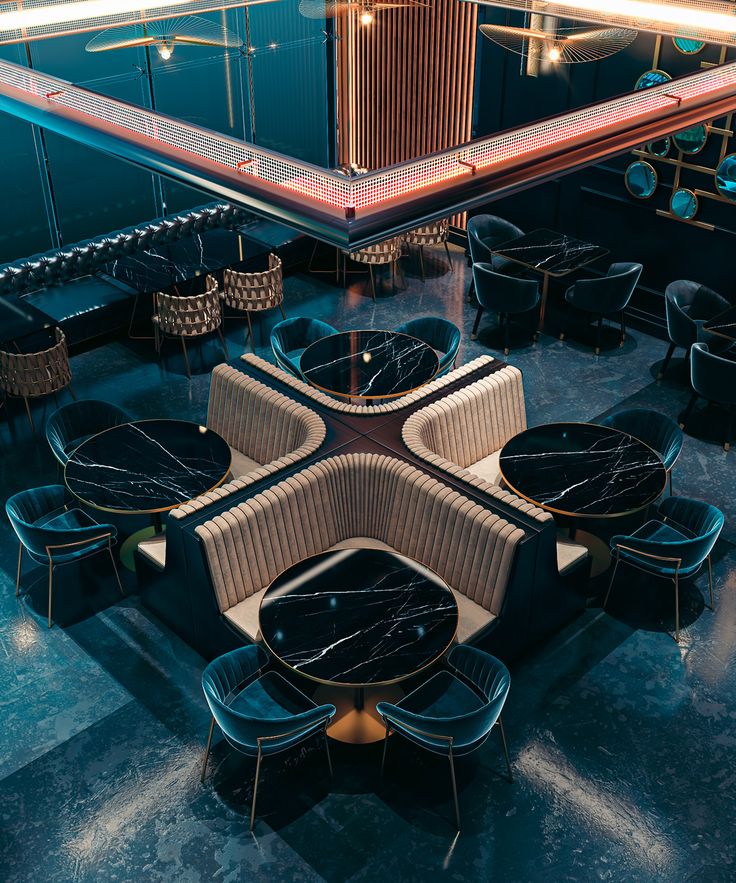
{"points": [[623, 744]]}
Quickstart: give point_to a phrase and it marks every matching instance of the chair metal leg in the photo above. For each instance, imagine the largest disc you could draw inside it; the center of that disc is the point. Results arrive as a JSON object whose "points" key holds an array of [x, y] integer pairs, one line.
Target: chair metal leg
{"points": [[677, 607], [598, 336], [255, 790], [385, 749], [688, 410], [421, 261], [281, 307], [506, 321], [505, 748], [71, 390], [249, 333], [17, 576], [471, 290], [710, 582], [327, 752], [186, 357], [449, 256], [373, 282], [30, 417], [207, 750], [454, 788], [669, 479], [474, 332], [610, 584], [670, 350], [729, 430], [623, 329], [222, 342], [51, 587], [114, 566]]}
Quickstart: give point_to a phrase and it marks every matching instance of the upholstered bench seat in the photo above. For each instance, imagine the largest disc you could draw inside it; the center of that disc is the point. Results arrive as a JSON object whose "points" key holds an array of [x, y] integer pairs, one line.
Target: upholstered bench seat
{"points": [[487, 468], [360, 500], [242, 464]]}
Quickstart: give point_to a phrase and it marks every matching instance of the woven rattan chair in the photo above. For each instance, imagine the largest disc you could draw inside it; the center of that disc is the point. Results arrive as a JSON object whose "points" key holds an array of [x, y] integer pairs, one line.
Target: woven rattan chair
{"points": [[380, 254], [430, 234], [31, 375], [192, 316], [255, 292]]}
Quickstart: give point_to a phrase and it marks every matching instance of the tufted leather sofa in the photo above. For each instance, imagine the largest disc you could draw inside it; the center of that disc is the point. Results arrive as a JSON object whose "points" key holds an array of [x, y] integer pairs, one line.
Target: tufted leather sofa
{"points": [[360, 499]]}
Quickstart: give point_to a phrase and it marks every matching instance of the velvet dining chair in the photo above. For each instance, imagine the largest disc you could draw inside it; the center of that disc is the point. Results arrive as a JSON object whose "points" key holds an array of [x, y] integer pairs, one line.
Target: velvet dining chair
{"points": [[672, 546], [605, 295], [713, 377], [260, 714], [74, 423], [454, 712], [290, 337], [485, 232], [442, 335], [54, 531], [504, 295], [688, 307], [660, 432]]}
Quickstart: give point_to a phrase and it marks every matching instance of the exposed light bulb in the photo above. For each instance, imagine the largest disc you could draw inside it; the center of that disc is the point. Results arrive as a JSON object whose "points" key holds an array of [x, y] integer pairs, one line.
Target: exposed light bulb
{"points": [[366, 17], [165, 51], [554, 54]]}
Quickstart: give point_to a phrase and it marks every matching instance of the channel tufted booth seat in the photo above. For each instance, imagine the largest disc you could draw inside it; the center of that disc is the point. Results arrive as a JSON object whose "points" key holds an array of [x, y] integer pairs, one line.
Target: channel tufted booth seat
{"points": [[265, 430], [353, 500], [463, 434]]}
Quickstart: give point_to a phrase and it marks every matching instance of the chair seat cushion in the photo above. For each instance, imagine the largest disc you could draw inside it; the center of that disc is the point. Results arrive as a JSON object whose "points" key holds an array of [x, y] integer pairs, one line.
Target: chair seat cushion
{"points": [[569, 554], [241, 464], [656, 531], [661, 532], [65, 520], [244, 615], [271, 698], [487, 468]]}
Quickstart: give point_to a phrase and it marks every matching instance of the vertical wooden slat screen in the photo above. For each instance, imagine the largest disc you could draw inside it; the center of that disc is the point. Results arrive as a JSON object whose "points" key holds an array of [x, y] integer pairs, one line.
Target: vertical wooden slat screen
{"points": [[405, 82]]}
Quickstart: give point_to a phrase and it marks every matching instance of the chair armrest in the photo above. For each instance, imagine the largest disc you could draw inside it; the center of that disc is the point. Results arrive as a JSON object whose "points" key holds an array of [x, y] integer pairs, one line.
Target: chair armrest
{"points": [[634, 551], [51, 547], [398, 724], [301, 730]]}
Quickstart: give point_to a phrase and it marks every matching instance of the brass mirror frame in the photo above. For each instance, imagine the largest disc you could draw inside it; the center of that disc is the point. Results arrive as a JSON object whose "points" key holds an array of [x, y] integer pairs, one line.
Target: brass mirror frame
{"points": [[650, 167]]}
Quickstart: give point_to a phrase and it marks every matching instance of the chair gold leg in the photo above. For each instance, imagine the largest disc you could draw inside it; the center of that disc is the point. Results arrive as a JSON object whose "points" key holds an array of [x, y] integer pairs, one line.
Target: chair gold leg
{"points": [[30, 416], [71, 390], [505, 748], [51, 586], [17, 575], [710, 583], [421, 261], [669, 478], [255, 790], [385, 749], [610, 584], [207, 750], [454, 789], [449, 256], [373, 282], [114, 566], [327, 752], [677, 608], [186, 357], [250, 332], [281, 307], [223, 344]]}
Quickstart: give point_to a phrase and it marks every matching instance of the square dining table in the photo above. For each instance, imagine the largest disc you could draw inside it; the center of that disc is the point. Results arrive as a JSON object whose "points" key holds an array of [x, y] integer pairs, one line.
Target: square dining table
{"points": [[550, 253]]}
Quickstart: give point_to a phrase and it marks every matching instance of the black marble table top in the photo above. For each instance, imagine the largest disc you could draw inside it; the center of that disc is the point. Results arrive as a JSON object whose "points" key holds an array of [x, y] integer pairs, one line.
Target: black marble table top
{"points": [[582, 469], [147, 466], [19, 319], [548, 252], [358, 617], [724, 324], [369, 364]]}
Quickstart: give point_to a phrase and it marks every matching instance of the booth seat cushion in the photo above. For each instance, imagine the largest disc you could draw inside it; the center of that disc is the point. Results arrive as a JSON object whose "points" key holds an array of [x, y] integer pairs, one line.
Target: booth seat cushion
{"points": [[487, 468], [244, 615], [569, 554], [241, 464]]}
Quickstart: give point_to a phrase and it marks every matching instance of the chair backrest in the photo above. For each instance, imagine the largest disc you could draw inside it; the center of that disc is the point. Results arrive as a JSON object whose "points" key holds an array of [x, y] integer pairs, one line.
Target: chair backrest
{"points": [[225, 677], [296, 333], [485, 232], [491, 679], [385, 252], [79, 420], [655, 429], [27, 508], [610, 293], [36, 374], [255, 291], [438, 333], [504, 294], [430, 234], [712, 376], [360, 495], [189, 316], [688, 306]]}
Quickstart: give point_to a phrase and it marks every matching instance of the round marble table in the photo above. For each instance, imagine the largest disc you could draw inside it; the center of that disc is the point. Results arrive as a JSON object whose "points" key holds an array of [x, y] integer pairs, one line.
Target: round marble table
{"points": [[147, 467], [582, 470], [369, 364], [361, 619]]}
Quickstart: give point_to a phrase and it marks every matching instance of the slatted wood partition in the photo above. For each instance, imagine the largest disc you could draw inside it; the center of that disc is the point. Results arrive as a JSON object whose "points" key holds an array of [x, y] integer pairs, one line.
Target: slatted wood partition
{"points": [[406, 82]]}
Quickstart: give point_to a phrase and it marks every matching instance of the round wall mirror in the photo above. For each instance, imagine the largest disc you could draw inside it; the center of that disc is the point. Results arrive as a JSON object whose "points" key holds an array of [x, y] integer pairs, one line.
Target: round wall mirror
{"points": [[684, 204], [726, 177], [691, 140], [652, 78], [641, 179], [688, 47], [659, 148]]}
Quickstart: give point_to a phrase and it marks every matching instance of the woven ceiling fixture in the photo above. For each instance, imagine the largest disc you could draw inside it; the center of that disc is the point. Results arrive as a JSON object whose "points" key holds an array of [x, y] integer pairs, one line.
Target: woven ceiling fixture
{"points": [[190, 30], [366, 11], [563, 45]]}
